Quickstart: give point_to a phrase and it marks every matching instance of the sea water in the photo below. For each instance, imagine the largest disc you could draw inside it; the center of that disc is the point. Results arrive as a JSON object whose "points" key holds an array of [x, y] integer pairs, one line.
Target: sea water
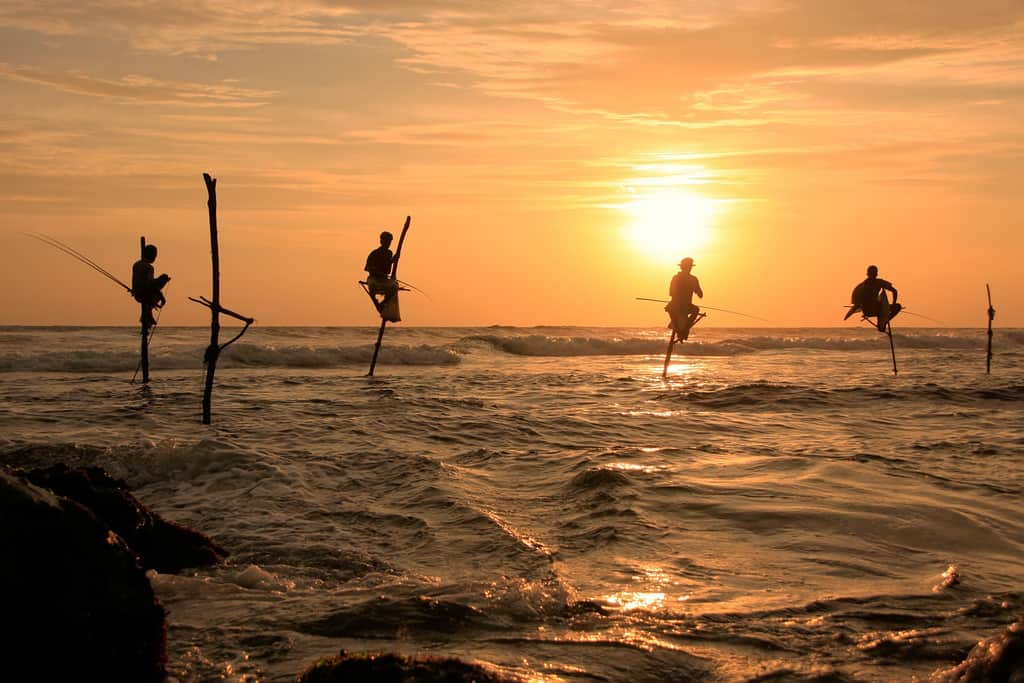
{"points": [[782, 506]]}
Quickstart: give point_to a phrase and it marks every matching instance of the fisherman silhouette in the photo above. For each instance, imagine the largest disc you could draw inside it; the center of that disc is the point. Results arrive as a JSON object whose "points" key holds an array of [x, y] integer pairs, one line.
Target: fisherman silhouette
{"points": [[681, 308], [146, 289], [379, 264], [870, 299]]}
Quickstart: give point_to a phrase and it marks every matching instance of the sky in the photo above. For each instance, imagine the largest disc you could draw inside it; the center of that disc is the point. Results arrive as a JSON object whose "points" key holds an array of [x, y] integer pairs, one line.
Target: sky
{"points": [[557, 159]]}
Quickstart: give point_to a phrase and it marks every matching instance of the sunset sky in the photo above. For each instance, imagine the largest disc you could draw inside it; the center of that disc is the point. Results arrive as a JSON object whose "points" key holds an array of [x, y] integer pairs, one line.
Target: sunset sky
{"points": [[557, 158]]}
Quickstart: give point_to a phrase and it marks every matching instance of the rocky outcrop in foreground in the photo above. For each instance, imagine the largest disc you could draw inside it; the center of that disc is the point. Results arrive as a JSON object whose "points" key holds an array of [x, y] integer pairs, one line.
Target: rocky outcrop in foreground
{"points": [[77, 606], [391, 668], [160, 544]]}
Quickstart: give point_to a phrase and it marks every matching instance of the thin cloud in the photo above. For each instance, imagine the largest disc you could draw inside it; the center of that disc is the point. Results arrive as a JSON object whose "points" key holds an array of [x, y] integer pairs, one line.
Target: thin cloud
{"points": [[190, 27], [141, 89]]}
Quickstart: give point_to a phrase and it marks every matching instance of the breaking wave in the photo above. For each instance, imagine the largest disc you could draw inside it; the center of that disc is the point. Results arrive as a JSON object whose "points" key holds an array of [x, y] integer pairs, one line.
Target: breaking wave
{"points": [[115, 349]]}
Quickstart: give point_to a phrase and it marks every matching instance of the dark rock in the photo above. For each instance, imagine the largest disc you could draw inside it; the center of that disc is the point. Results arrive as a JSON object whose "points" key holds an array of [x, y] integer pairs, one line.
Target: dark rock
{"points": [[77, 606], [391, 668], [999, 659], [160, 544]]}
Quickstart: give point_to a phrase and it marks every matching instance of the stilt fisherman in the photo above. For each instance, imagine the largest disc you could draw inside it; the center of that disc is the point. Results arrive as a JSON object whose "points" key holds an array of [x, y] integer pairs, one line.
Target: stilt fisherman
{"points": [[147, 289], [681, 308]]}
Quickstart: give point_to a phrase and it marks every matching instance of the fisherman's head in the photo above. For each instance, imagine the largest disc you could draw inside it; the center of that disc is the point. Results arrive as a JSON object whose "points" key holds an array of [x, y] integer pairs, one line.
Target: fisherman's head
{"points": [[686, 263], [385, 238], [872, 271], [149, 252]]}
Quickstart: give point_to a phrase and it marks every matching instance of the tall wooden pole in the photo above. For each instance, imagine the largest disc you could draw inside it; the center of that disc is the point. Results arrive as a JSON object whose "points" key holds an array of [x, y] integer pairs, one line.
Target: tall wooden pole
{"points": [[215, 347], [144, 353], [991, 317], [892, 347], [213, 350], [668, 354], [394, 276]]}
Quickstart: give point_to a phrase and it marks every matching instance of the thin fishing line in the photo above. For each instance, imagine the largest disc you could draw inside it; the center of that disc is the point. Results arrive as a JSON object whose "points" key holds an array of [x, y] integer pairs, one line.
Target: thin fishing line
{"points": [[720, 310], [922, 316], [414, 288], [69, 249], [77, 255], [74, 253]]}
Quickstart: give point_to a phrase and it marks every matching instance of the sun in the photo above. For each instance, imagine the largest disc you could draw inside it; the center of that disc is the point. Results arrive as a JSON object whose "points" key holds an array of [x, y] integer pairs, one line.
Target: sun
{"points": [[667, 225]]}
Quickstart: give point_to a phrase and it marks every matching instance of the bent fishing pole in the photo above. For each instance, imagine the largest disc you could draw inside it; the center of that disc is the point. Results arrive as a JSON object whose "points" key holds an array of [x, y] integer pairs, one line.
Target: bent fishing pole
{"points": [[918, 315], [75, 254], [904, 311], [720, 310], [413, 288]]}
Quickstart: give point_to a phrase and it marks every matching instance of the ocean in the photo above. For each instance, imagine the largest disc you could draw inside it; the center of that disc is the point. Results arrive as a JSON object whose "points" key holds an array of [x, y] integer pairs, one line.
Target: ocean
{"points": [[781, 507]]}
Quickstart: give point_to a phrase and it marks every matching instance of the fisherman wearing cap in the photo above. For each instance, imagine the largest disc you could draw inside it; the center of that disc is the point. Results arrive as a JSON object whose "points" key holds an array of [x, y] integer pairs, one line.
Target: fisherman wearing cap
{"points": [[681, 308]]}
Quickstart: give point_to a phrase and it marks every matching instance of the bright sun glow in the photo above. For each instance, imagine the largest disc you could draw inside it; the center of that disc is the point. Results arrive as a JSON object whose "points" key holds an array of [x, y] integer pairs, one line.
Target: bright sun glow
{"points": [[670, 224]]}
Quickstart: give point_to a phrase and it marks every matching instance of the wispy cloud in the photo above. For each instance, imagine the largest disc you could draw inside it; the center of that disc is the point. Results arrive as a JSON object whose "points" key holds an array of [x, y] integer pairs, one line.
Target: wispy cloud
{"points": [[143, 89], [193, 27]]}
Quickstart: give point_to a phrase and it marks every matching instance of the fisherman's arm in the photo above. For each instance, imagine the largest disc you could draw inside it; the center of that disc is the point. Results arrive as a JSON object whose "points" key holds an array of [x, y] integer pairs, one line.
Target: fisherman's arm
{"points": [[888, 285]]}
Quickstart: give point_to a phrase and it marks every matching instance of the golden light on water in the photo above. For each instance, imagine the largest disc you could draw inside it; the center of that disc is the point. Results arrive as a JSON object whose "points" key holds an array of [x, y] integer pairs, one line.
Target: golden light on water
{"points": [[668, 222], [653, 582], [637, 600]]}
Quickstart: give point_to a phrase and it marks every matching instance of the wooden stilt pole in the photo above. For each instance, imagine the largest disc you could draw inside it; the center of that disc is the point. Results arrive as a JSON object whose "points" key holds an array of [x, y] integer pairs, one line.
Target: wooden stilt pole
{"points": [[144, 353], [215, 347], [213, 350], [991, 317], [668, 354], [394, 276], [675, 338], [892, 347], [376, 347]]}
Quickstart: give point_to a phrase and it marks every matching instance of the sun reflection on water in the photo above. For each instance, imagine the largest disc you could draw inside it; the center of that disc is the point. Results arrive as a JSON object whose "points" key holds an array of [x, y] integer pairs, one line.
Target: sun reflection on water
{"points": [[654, 593]]}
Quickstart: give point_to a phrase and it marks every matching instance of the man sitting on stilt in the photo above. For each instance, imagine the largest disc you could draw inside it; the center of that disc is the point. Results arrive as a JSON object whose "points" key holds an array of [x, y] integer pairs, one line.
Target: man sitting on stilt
{"points": [[681, 308]]}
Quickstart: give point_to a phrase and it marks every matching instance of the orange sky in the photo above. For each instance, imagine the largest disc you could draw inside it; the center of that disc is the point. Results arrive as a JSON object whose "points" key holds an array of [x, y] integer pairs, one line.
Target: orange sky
{"points": [[557, 158]]}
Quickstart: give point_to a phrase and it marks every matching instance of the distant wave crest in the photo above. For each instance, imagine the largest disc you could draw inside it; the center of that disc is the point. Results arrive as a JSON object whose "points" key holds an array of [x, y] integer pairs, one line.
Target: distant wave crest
{"points": [[733, 345], [98, 350], [543, 345]]}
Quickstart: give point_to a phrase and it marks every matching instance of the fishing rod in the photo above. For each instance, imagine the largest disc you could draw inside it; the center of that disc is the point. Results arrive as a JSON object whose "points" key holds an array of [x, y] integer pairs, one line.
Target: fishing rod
{"points": [[74, 253], [414, 288], [720, 310], [903, 310]]}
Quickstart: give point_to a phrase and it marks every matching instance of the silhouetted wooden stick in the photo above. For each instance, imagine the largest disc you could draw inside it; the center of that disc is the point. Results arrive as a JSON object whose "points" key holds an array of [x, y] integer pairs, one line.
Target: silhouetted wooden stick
{"points": [[213, 350], [144, 357], [892, 347], [215, 347], [668, 354], [991, 317], [394, 276]]}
